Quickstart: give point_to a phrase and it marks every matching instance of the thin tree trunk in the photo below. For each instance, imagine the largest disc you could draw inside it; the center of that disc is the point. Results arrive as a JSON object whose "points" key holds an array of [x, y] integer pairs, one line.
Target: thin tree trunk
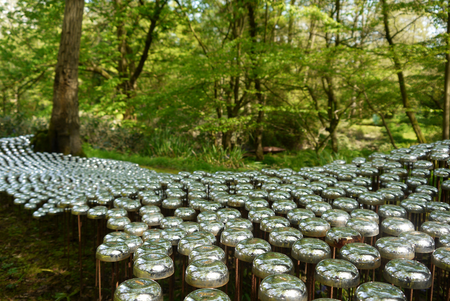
{"points": [[291, 23], [401, 79], [259, 95], [4, 103], [446, 121], [18, 101], [391, 138], [64, 132]]}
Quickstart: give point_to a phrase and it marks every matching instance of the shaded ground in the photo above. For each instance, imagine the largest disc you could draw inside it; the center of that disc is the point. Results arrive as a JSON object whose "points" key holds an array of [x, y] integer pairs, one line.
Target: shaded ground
{"points": [[33, 260]]}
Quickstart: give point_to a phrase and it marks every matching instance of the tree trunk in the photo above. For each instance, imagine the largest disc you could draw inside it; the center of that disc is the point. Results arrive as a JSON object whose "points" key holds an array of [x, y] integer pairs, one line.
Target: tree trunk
{"points": [[446, 121], [64, 132], [18, 101], [251, 6], [4, 103], [401, 79], [391, 138]]}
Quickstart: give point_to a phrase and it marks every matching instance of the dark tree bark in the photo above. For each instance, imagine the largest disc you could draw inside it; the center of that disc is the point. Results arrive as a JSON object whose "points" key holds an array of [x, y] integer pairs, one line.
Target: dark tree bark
{"points": [[446, 121], [64, 132], [401, 78], [251, 6]]}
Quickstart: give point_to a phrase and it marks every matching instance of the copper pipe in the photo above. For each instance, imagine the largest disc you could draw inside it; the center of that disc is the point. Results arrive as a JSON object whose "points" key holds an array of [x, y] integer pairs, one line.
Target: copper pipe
{"points": [[237, 294], [99, 279], [80, 257]]}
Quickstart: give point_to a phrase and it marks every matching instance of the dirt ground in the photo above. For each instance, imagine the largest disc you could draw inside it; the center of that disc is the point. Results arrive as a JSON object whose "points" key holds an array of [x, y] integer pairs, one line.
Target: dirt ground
{"points": [[33, 259]]}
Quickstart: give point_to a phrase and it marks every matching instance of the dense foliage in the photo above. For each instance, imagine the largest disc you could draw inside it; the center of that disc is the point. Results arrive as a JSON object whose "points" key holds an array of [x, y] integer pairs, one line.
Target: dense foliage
{"points": [[235, 73]]}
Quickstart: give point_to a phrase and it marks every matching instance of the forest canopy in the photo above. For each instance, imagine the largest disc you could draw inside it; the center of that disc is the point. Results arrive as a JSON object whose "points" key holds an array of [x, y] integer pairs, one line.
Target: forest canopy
{"points": [[235, 73]]}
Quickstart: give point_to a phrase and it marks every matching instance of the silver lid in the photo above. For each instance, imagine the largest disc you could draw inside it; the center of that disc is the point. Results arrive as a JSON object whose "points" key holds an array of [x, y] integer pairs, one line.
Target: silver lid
{"points": [[173, 235], [283, 206], [232, 236], [80, 210], [333, 193], [160, 242], [131, 205], [151, 200], [444, 241], [346, 204], [318, 207], [149, 249], [170, 222], [117, 223], [153, 266], [422, 242], [270, 223], [256, 215], [112, 251], [391, 211], [206, 273], [366, 214], [440, 216], [98, 212], [239, 223], [256, 203], [190, 242], [207, 216], [394, 248], [414, 206], [284, 237], [211, 206], [363, 256], [116, 212], [207, 294], [336, 217], [437, 206], [152, 219], [136, 228], [365, 226], [151, 234], [314, 227], [435, 229], [396, 225], [190, 227], [282, 287], [185, 213], [296, 215], [172, 203], [237, 200], [211, 227], [441, 258], [227, 213], [407, 273], [138, 289], [272, 263], [379, 291], [310, 250], [246, 250], [337, 273], [132, 241], [340, 236], [304, 200], [207, 252], [371, 198]]}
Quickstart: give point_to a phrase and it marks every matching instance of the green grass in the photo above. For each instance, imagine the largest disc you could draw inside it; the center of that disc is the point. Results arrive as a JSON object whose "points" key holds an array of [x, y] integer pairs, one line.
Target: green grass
{"points": [[166, 164], [219, 160]]}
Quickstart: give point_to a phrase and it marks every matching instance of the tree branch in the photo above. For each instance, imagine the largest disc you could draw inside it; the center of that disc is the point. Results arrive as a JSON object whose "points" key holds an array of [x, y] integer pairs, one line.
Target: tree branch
{"points": [[148, 41]]}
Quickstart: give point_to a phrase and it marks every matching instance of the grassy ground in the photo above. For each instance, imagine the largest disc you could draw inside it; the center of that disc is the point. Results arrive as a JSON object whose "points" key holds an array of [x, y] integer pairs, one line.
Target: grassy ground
{"points": [[33, 261]]}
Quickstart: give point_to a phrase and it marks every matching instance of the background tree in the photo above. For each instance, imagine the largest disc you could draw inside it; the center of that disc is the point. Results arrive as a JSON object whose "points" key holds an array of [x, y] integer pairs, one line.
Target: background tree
{"points": [[64, 131]]}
